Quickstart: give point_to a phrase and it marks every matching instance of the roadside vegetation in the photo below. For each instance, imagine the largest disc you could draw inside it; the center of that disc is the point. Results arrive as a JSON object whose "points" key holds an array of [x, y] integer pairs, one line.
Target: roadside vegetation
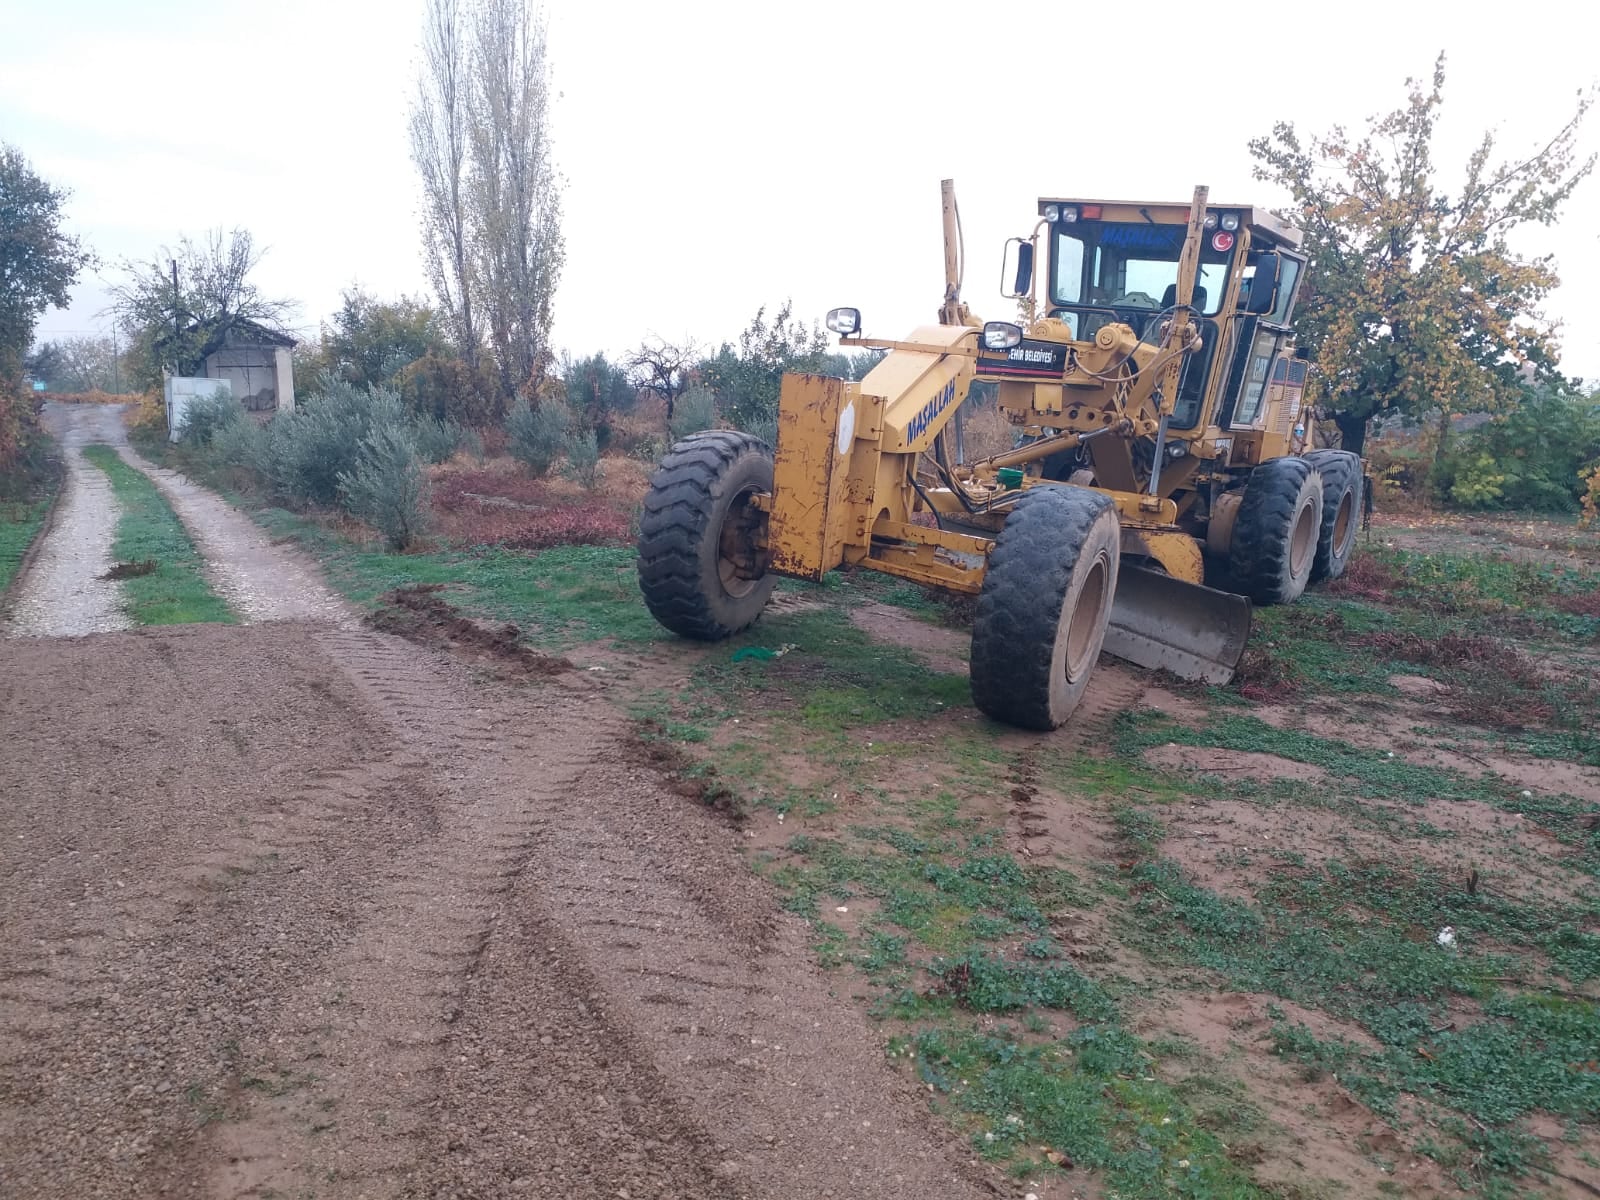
{"points": [[160, 571], [23, 510], [20, 521]]}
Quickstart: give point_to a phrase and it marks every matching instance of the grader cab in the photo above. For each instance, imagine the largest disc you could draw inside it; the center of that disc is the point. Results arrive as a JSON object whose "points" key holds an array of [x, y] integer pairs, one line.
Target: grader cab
{"points": [[1159, 483]]}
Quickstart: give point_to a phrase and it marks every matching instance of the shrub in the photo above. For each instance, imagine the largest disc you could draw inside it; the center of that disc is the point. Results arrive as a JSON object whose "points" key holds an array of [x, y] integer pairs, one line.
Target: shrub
{"points": [[583, 458], [695, 410], [437, 440], [1533, 457], [597, 389], [448, 389], [309, 449], [240, 444], [205, 416], [22, 442], [746, 379], [387, 487], [536, 436]]}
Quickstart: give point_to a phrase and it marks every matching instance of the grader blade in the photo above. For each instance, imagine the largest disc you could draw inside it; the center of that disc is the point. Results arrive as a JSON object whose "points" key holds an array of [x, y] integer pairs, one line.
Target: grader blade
{"points": [[1163, 623]]}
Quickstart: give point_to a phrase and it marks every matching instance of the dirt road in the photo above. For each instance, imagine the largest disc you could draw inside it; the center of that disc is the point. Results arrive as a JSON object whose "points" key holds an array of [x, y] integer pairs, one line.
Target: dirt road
{"points": [[63, 594], [297, 908]]}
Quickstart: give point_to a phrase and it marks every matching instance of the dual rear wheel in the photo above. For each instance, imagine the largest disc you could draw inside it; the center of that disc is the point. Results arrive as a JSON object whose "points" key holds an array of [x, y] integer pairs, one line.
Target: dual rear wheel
{"points": [[1297, 524]]}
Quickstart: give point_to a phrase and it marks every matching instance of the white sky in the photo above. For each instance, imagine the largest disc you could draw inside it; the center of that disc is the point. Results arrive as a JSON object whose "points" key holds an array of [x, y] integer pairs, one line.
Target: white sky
{"points": [[720, 156]]}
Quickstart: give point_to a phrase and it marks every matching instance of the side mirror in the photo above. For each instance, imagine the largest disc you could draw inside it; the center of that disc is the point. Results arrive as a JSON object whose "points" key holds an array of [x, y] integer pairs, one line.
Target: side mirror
{"points": [[1263, 297], [1017, 267]]}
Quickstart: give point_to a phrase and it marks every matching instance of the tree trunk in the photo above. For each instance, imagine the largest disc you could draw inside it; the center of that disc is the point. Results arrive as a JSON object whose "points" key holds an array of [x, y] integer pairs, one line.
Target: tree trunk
{"points": [[1443, 443], [1352, 431]]}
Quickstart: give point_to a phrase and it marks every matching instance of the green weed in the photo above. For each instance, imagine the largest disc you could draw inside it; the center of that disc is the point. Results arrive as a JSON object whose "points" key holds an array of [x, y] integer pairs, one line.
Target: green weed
{"points": [[1090, 1098], [175, 592], [558, 597], [19, 523]]}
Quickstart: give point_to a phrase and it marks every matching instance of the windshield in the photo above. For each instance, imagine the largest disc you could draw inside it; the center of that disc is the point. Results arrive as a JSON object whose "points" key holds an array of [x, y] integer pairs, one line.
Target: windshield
{"points": [[1133, 266]]}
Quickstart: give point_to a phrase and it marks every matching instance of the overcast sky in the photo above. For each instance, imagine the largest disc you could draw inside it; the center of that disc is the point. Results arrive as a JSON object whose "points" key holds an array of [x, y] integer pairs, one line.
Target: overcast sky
{"points": [[721, 156]]}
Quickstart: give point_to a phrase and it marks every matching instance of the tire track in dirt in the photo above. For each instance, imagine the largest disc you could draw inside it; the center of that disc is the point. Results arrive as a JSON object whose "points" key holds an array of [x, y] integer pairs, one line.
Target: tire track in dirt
{"points": [[674, 1030], [166, 905], [374, 1115], [1113, 689], [683, 939]]}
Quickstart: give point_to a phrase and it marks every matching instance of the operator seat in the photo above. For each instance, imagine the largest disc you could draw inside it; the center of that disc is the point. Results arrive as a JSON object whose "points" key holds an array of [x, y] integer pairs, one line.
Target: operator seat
{"points": [[1191, 387], [1170, 298]]}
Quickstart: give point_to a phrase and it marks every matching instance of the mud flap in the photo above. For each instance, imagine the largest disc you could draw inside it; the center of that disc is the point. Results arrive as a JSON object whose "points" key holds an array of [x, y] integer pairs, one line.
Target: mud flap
{"points": [[1193, 631]]}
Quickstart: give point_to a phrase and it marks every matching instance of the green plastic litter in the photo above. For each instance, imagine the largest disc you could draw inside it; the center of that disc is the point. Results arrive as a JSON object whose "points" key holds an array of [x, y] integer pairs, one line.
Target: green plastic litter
{"points": [[761, 653]]}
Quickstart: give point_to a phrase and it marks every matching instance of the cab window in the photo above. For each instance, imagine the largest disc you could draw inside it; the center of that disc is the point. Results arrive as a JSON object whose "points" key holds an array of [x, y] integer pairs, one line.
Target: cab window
{"points": [[1254, 389]]}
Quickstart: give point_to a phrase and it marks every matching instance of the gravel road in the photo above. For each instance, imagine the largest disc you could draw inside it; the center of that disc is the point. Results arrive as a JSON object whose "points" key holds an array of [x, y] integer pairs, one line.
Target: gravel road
{"points": [[62, 595], [299, 908]]}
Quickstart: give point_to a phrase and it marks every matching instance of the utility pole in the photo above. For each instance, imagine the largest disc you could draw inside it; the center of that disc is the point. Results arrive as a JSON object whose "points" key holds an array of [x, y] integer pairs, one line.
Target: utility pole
{"points": [[116, 362], [177, 318]]}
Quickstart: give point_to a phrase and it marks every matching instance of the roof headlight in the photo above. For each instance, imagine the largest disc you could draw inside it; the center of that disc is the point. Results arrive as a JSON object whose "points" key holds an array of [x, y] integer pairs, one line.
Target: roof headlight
{"points": [[1230, 221], [844, 321], [1052, 212]]}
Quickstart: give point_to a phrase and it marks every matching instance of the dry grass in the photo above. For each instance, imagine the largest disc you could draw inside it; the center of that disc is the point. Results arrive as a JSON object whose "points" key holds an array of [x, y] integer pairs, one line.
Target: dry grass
{"points": [[1494, 686], [986, 431], [1366, 578], [93, 397], [501, 505], [1265, 677]]}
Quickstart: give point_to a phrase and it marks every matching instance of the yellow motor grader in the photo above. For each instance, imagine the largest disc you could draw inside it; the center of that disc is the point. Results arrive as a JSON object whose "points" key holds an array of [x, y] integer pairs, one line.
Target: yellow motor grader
{"points": [[1161, 448]]}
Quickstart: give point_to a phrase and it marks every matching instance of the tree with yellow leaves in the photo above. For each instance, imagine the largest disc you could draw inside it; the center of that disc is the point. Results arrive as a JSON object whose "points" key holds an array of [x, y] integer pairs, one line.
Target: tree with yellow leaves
{"points": [[1416, 302]]}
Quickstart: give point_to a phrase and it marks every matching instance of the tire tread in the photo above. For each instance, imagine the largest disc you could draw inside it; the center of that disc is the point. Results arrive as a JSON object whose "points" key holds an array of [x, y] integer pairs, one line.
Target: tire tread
{"points": [[683, 491]]}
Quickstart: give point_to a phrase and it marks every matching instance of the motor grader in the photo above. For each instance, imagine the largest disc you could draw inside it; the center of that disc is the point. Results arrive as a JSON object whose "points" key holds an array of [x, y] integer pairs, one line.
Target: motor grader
{"points": [[1159, 482]]}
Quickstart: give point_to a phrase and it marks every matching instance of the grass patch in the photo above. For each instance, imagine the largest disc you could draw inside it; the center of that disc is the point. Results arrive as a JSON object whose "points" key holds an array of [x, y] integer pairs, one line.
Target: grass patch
{"points": [[559, 596], [962, 949], [1357, 940], [1514, 594], [19, 525], [175, 591], [836, 676], [1088, 1100], [23, 508]]}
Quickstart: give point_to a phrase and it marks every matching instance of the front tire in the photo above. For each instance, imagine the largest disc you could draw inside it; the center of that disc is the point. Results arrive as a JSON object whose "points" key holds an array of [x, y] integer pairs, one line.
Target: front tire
{"points": [[1045, 603], [701, 567], [1274, 544], [1343, 492]]}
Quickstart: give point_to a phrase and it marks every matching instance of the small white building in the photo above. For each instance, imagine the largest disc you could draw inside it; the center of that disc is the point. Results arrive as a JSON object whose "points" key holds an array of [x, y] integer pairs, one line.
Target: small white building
{"points": [[256, 363]]}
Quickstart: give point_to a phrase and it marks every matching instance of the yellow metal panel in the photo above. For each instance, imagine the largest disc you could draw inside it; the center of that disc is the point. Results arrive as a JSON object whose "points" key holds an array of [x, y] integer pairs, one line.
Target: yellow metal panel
{"points": [[937, 539], [1136, 508], [904, 562], [922, 388], [1178, 553], [809, 476]]}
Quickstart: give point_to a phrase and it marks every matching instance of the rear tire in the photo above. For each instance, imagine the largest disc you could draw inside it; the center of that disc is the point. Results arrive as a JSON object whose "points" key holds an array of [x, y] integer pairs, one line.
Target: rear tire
{"points": [[1045, 603], [699, 568], [1274, 545], [1343, 494]]}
